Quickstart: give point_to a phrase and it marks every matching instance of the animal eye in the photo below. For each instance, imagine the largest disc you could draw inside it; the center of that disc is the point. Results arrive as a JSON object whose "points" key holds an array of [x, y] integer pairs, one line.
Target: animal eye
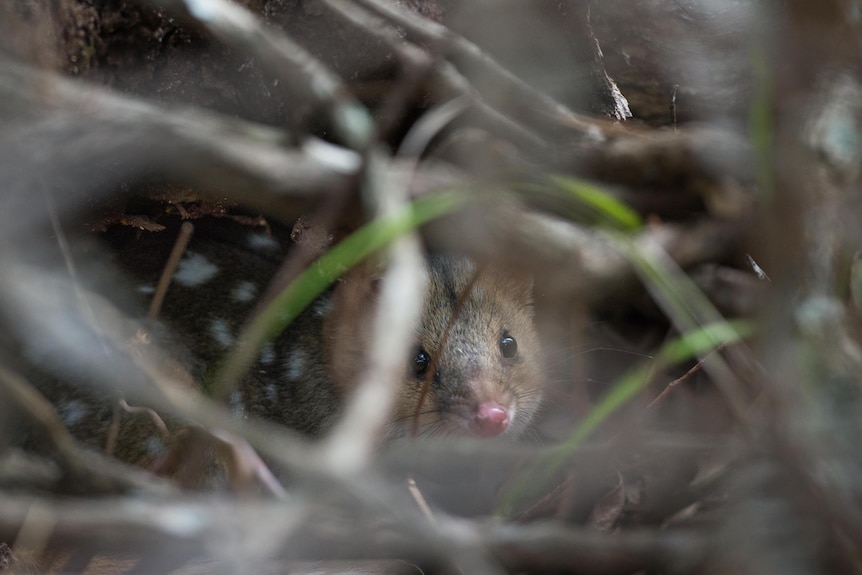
{"points": [[508, 346], [421, 361]]}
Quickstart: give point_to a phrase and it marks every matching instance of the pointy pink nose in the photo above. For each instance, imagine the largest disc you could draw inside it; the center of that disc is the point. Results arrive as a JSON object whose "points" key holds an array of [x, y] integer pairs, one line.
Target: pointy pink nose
{"points": [[490, 420]]}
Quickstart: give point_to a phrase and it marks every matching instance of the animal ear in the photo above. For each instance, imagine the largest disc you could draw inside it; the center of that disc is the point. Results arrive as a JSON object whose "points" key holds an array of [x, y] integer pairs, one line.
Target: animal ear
{"points": [[515, 282], [524, 288], [525, 283]]}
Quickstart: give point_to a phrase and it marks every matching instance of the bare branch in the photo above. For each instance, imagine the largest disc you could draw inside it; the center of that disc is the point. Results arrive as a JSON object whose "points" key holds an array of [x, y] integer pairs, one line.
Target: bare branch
{"points": [[296, 69], [72, 124]]}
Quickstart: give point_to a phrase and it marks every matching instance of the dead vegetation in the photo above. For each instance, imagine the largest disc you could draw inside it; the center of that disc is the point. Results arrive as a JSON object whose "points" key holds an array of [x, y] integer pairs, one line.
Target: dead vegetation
{"points": [[729, 129]]}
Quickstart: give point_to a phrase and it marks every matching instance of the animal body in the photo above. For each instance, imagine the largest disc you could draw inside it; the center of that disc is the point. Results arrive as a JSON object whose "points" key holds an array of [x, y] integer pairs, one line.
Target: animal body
{"points": [[482, 364]]}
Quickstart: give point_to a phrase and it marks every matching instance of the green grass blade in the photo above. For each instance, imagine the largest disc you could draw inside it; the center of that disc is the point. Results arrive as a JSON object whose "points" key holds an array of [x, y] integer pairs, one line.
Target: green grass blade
{"points": [[693, 344], [287, 305], [611, 212], [693, 315]]}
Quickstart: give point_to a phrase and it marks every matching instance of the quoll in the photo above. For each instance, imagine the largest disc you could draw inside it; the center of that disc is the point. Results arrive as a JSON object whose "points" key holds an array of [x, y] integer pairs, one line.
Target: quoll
{"points": [[488, 378]]}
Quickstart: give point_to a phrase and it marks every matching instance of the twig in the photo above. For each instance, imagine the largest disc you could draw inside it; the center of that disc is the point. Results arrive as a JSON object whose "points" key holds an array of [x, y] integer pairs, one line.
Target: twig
{"points": [[688, 309], [68, 260], [185, 235], [420, 500], [256, 530], [146, 378], [695, 368], [415, 62], [85, 471], [354, 438], [292, 64], [112, 129], [157, 421], [502, 89], [540, 243], [489, 106], [36, 406], [246, 464]]}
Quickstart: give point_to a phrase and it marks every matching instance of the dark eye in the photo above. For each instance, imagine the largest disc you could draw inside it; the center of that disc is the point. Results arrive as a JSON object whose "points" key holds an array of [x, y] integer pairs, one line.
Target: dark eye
{"points": [[508, 346], [421, 361]]}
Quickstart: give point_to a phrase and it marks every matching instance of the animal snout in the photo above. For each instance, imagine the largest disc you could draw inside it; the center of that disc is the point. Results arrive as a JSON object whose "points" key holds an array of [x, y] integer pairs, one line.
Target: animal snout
{"points": [[490, 420]]}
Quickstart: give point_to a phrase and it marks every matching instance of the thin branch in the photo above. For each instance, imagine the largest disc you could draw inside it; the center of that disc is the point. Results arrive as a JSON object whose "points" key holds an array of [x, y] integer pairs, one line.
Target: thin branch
{"points": [[655, 403], [503, 90], [64, 124], [253, 531], [292, 64], [415, 62], [596, 269], [84, 470], [356, 435], [34, 299], [34, 404], [171, 265]]}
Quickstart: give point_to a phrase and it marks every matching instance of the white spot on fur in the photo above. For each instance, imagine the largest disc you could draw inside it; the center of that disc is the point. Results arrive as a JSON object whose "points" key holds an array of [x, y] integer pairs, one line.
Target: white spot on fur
{"points": [[295, 365], [244, 291], [146, 289], [271, 392], [203, 10], [72, 411], [323, 307], [220, 332], [235, 402], [267, 354], [262, 242], [195, 270], [154, 446]]}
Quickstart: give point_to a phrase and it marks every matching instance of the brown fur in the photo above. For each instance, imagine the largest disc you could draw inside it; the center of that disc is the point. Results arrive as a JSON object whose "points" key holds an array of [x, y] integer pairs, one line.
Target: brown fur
{"points": [[463, 344], [303, 377]]}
